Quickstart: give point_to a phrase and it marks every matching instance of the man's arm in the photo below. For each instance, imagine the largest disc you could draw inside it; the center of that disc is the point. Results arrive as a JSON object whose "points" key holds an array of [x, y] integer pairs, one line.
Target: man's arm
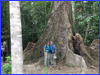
{"points": [[55, 51], [44, 50]]}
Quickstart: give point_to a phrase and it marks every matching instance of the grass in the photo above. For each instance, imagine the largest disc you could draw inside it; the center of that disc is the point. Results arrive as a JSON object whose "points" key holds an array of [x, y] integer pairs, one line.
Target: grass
{"points": [[71, 65], [26, 62], [24, 68], [46, 70], [70, 72], [81, 70]]}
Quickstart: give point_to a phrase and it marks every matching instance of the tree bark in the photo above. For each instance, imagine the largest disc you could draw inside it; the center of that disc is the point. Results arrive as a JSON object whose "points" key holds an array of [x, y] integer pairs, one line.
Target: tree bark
{"points": [[16, 38], [81, 49]]}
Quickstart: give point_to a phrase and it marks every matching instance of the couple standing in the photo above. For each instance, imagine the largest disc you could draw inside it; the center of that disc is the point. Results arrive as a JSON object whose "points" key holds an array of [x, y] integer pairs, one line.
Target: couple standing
{"points": [[50, 54]]}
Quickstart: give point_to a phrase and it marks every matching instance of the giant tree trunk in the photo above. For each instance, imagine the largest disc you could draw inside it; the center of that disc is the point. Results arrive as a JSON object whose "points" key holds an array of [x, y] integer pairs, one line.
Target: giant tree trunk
{"points": [[81, 49], [16, 38], [58, 30]]}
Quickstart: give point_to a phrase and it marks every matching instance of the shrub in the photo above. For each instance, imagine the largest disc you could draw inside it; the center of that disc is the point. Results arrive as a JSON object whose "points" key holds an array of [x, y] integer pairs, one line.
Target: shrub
{"points": [[8, 59], [6, 69]]}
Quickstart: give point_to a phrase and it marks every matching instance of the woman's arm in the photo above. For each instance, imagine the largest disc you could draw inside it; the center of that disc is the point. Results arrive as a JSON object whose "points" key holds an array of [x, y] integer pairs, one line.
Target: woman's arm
{"points": [[44, 51]]}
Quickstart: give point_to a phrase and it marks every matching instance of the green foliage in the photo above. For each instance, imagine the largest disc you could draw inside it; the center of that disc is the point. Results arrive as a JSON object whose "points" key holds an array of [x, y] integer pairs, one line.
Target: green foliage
{"points": [[34, 17], [26, 62], [6, 69], [46, 70], [4, 20], [8, 59], [83, 9]]}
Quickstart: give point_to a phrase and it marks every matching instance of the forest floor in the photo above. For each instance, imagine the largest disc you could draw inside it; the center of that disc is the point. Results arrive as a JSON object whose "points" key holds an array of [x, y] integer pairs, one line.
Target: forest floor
{"points": [[60, 68]]}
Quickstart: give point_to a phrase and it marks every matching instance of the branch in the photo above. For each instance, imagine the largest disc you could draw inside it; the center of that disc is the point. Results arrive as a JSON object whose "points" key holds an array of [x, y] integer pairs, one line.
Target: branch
{"points": [[55, 11]]}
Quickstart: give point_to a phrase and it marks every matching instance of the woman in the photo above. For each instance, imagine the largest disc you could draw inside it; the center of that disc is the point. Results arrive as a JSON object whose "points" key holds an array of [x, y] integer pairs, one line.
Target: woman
{"points": [[46, 54]]}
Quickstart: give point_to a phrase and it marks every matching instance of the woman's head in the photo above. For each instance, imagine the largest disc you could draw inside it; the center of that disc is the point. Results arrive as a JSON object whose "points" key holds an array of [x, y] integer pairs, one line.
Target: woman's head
{"points": [[48, 43]]}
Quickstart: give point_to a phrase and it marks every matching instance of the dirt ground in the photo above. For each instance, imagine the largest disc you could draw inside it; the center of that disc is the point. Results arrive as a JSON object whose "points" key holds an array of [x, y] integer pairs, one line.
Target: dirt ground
{"points": [[60, 68]]}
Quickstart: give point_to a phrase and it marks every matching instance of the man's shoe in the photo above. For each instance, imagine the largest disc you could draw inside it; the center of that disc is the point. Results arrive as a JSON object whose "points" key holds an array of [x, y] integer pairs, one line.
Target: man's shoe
{"points": [[50, 64]]}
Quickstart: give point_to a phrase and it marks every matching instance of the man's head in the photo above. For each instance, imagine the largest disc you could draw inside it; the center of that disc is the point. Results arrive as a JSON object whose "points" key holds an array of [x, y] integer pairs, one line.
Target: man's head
{"points": [[4, 43], [51, 42]]}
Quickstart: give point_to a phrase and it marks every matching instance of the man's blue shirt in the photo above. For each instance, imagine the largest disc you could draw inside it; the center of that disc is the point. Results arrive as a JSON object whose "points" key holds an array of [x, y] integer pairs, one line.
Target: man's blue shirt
{"points": [[53, 48]]}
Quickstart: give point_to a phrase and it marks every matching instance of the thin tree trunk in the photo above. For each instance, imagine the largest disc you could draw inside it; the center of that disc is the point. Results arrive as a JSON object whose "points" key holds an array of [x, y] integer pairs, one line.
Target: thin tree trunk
{"points": [[82, 4], [31, 21], [87, 31], [24, 23], [51, 7], [32, 34], [75, 15], [16, 38], [8, 28], [45, 13]]}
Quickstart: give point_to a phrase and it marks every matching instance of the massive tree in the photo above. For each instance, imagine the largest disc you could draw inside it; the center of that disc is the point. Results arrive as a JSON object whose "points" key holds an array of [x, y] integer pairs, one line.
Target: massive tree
{"points": [[59, 30], [16, 38]]}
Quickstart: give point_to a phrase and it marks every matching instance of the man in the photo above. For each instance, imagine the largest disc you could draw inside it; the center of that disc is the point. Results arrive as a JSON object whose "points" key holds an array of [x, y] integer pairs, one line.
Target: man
{"points": [[4, 52], [52, 53]]}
